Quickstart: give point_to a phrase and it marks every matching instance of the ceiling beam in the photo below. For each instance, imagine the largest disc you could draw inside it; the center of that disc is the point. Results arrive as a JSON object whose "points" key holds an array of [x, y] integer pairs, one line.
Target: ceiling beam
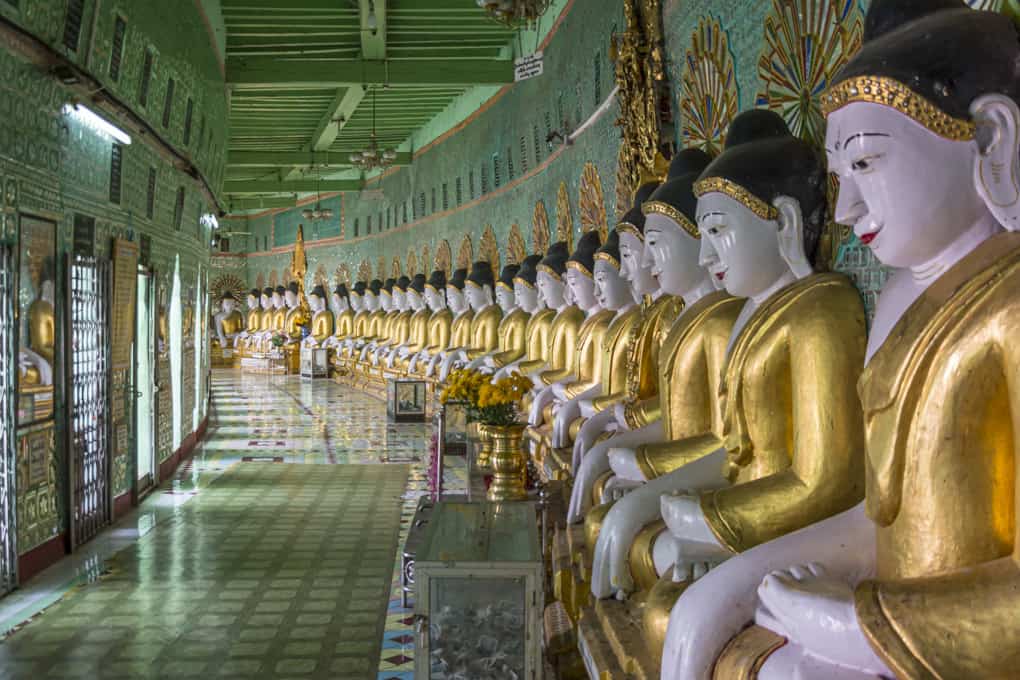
{"points": [[373, 38], [261, 203], [337, 115], [273, 159], [303, 186], [267, 72]]}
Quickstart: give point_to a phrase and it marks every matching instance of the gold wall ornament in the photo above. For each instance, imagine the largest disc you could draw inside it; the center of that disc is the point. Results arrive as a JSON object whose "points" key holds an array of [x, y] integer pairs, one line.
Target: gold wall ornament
{"points": [[274, 279], [227, 283], [299, 261], [896, 95], [396, 268], [737, 193], [564, 217], [540, 229], [342, 275], [412, 263], [592, 204], [427, 265], [708, 88], [260, 281], [320, 278], [380, 268], [516, 250], [444, 257], [465, 253], [488, 249], [806, 43], [365, 271], [646, 122]]}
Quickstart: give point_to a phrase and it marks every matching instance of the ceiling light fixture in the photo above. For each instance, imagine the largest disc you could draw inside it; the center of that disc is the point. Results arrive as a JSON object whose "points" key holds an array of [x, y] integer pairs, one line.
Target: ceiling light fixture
{"points": [[371, 21], [372, 157], [88, 117], [515, 13], [318, 212]]}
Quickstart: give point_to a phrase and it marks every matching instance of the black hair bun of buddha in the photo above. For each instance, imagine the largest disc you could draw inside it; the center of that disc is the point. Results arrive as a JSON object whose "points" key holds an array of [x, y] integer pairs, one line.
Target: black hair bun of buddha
{"points": [[481, 274], [555, 260], [610, 250], [459, 278], [267, 291], [403, 282], [319, 291], [227, 295], [775, 165], [360, 287], [341, 291], [528, 273], [939, 49], [506, 277], [583, 256], [375, 286], [753, 125], [388, 286], [294, 288], [438, 280], [280, 290], [254, 292], [684, 163], [635, 217], [417, 284]]}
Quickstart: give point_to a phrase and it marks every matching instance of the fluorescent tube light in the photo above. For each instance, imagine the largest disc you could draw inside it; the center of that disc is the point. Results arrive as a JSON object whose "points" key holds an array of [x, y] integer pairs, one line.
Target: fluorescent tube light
{"points": [[96, 122]]}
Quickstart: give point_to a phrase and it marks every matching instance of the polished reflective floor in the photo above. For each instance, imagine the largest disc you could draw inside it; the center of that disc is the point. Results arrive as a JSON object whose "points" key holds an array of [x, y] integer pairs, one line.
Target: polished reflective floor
{"points": [[271, 554]]}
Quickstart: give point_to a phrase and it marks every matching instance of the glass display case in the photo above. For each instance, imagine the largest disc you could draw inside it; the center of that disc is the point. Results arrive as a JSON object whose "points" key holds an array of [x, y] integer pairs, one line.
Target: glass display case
{"points": [[314, 362], [479, 593], [405, 400]]}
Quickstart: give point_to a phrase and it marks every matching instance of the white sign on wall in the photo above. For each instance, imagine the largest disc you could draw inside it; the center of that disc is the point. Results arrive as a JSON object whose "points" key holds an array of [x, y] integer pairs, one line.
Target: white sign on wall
{"points": [[530, 66]]}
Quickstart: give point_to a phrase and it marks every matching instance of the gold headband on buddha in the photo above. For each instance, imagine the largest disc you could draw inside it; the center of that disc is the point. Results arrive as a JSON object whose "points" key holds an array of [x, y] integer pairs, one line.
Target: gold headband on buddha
{"points": [[896, 95], [577, 266], [606, 257], [523, 282], [628, 228], [660, 208], [429, 285], [505, 285], [738, 193], [549, 270], [472, 283]]}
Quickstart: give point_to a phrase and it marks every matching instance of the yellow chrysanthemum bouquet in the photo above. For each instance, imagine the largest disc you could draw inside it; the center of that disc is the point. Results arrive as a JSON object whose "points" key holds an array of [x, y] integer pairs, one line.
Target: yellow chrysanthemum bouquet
{"points": [[487, 402]]}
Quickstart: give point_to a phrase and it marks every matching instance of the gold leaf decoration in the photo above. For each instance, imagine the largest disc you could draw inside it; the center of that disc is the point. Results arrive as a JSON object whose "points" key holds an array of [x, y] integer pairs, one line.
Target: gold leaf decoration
{"points": [[396, 269], [427, 266], [412, 264], [228, 283], [260, 281], [540, 229], [320, 278], [592, 203], [365, 271], [516, 250], [444, 257], [465, 253], [564, 217], [380, 268], [708, 88], [488, 249], [343, 275], [274, 279]]}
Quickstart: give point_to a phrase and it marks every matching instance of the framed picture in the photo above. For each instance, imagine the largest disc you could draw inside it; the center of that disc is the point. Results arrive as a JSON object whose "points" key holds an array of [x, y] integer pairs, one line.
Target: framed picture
{"points": [[405, 400]]}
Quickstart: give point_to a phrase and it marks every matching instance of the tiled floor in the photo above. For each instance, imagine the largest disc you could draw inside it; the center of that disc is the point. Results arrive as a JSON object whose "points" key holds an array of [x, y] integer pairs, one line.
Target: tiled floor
{"points": [[255, 421]]}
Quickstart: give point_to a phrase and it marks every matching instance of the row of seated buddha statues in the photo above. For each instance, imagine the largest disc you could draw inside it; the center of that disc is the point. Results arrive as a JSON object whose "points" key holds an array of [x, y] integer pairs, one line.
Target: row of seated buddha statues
{"points": [[760, 485], [277, 319]]}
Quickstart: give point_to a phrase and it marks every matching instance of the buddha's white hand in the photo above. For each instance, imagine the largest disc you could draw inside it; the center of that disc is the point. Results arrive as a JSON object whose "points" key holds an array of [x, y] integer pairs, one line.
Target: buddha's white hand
{"points": [[625, 466]]}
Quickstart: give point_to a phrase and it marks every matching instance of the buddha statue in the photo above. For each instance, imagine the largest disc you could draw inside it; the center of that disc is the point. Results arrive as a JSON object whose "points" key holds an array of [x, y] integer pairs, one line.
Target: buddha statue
{"points": [[563, 318], [510, 334], [279, 311], [36, 360], [534, 335], [296, 316], [437, 335], [229, 321], [343, 315], [259, 341], [376, 316], [460, 327], [359, 327], [484, 333], [253, 319], [417, 335], [400, 323], [322, 318], [922, 579], [609, 372], [386, 315]]}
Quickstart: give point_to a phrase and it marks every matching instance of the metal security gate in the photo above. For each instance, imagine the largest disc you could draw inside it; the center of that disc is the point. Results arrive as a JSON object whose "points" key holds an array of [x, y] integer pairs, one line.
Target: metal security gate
{"points": [[88, 389], [8, 527]]}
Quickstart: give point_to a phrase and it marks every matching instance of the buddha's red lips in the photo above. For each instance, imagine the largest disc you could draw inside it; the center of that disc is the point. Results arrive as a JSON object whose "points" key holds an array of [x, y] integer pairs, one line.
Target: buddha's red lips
{"points": [[720, 275], [869, 237]]}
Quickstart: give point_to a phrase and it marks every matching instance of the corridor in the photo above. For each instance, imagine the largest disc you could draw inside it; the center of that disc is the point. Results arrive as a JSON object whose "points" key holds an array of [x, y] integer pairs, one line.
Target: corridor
{"points": [[270, 554]]}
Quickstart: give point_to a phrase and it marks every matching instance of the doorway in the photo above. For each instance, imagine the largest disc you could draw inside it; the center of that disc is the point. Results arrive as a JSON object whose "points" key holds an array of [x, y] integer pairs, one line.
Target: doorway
{"points": [[145, 383], [8, 547]]}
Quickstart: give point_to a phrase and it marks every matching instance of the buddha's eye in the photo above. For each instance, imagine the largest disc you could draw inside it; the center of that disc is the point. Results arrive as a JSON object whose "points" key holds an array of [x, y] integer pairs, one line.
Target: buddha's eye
{"points": [[863, 164], [715, 229]]}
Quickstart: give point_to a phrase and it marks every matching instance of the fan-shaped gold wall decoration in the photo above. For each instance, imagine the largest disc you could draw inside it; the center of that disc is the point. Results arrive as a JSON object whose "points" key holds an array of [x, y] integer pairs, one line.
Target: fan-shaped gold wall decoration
{"points": [[564, 217], [321, 278], [427, 266], [227, 283], [380, 268], [365, 271], [540, 229], [708, 88], [488, 249], [285, 276], [592, 203], [260, 281], [342, 275], [274, 279], [516, 251], [465, 253], [396, 269], [412, 264], [444, 257]]}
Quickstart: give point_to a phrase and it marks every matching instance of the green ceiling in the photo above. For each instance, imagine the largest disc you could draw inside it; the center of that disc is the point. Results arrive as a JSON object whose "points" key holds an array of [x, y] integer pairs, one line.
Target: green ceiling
{"points": [[305, 76]]}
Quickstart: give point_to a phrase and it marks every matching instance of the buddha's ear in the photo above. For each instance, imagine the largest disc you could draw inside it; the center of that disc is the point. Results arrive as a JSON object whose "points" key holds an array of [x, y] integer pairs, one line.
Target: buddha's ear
{"points": [[791, 235], [997, 165]]}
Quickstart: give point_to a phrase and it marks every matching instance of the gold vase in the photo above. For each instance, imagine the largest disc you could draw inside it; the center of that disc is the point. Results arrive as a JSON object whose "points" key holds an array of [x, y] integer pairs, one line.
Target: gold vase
{"points": [[507, 459], [484, 457]]}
